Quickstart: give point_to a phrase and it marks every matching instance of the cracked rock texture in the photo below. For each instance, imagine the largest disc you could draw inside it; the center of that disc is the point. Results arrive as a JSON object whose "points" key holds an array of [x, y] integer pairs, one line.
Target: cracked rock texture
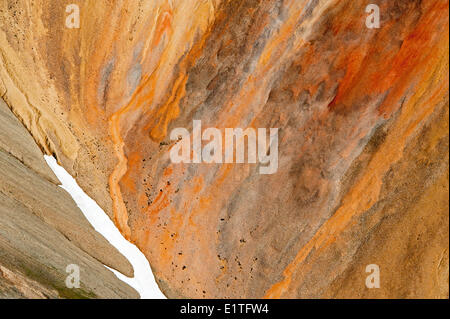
{"points": [[363, 118]]}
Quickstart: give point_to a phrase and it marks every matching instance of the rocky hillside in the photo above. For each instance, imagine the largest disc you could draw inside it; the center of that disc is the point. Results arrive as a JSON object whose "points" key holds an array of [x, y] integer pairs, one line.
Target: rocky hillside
{"points": [[362, 115]]}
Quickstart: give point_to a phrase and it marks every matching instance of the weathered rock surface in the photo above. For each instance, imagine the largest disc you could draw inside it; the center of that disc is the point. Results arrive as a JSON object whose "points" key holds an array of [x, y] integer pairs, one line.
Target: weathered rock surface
{"points": [[363, 118], [42, 231]]}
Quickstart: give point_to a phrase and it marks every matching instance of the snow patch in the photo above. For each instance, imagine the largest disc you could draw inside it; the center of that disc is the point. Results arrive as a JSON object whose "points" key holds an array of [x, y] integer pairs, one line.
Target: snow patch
{"points": [[143, 281]]}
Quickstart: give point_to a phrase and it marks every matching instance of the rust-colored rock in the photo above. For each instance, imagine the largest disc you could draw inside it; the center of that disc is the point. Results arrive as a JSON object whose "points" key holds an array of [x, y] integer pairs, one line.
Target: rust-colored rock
{"points": [[363, 144]]}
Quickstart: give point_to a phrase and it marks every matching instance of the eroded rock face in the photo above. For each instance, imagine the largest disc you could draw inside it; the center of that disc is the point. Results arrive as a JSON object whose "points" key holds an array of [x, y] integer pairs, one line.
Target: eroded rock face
{"points": [[363, 144], [42, 230]]}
